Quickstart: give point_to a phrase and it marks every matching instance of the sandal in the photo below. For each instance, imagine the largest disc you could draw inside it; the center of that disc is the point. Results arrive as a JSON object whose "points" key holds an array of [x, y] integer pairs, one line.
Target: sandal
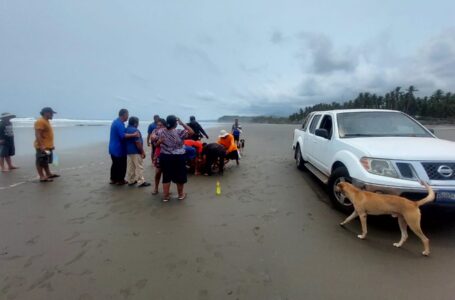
{"points": [[46, 180], [183, 197], [54, 176], [166, 199], [155, 192]]}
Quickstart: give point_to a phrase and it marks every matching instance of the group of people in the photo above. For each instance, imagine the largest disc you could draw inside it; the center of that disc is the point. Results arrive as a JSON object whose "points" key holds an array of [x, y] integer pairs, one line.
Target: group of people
{"points": [[44, 144], [174, 151]]}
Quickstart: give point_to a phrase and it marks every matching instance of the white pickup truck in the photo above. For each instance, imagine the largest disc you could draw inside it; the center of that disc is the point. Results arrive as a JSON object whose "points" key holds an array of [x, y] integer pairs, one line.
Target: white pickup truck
{"points": [[381, 151]]}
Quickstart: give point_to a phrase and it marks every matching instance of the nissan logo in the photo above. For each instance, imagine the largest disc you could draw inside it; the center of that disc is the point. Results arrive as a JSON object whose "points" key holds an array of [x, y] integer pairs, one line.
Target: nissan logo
{"points": [[445, 171]]}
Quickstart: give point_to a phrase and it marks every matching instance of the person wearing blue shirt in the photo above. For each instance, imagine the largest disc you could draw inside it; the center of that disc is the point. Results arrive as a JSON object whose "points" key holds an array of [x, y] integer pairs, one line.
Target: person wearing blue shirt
{"points": [[117, 147], [135, 153], [151, 128]]}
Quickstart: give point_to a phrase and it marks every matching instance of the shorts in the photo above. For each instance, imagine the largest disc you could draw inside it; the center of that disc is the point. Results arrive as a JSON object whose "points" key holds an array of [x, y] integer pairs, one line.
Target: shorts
{"points": [[43, 159], [190, 153], [7, 150], [236, 138], [173, 167]]}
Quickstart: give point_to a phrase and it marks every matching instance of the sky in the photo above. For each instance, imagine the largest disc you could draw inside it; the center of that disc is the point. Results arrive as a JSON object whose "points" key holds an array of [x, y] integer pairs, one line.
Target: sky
{"points": [[208, 58]]}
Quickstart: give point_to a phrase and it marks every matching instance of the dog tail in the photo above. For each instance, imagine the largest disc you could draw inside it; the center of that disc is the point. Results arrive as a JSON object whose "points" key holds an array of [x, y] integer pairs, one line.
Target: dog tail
{"points": [[428, 198]]}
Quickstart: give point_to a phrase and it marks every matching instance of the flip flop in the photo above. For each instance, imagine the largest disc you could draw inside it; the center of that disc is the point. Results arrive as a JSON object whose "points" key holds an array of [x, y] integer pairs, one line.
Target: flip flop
{"points": [[54, 176], [154, 193], [166, 199], [46, 180], [183, 197]]}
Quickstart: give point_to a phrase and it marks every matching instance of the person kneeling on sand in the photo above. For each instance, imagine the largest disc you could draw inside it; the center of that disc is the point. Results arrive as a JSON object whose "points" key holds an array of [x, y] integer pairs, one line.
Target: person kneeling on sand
{"points": [[213, 153], [7, 149], [227, 140], [195, 154], [135, 155], [44, 145]]}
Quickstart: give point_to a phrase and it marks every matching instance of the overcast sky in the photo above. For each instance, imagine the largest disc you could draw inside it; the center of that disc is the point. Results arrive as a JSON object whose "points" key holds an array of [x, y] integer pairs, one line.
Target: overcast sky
{"points": [[87, 59]]}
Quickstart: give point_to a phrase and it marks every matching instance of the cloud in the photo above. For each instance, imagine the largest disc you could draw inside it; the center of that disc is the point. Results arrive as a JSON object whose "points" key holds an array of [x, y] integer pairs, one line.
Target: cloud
{"points": [[324, 59], [277, 37], [197, 57]]}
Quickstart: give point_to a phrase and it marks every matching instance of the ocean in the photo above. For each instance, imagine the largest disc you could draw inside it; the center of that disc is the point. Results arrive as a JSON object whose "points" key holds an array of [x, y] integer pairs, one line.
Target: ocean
{"points": [[71, 133]]}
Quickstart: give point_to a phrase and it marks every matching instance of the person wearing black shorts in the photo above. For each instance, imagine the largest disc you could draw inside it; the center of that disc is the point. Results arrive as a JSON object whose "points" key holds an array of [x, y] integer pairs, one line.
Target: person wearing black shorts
{"points": [[7, 149]]}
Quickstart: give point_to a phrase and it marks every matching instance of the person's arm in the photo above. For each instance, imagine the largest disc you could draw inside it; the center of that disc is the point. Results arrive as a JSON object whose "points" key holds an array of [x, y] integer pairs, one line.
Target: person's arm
{"points": [[149, 135], [187, 128], [202, 131], [39, 138], [121, 131], [140, 147]]}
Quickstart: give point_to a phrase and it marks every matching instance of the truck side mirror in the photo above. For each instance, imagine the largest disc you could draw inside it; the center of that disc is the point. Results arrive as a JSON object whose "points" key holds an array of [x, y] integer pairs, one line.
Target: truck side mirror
{"points": [[322, 133]]}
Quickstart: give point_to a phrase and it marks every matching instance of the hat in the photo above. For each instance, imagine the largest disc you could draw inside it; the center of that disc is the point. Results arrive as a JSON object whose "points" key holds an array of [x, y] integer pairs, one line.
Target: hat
{"points": [[223, 133], [7, 116], [47, 110]]}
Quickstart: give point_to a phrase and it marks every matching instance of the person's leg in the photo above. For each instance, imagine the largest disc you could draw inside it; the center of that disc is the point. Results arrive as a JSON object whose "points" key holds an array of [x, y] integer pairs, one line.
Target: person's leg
{"points": [[113, 167], [221, 160], [2, 164], [166, 169], [208, 164], [180, 175], [47, 169], [140, 172], [180, 190], [157, 180], [8, 159], [122, 169], [10, 163], [130, 172]]}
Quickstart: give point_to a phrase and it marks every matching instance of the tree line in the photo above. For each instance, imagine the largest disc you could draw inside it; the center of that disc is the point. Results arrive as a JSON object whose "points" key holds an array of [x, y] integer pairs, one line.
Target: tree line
{"points": [[440, 105]]}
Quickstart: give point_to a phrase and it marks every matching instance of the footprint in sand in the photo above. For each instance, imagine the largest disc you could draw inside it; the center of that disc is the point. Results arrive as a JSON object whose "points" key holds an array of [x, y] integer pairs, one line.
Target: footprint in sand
{"points": [[73, 236], [33, 240]]}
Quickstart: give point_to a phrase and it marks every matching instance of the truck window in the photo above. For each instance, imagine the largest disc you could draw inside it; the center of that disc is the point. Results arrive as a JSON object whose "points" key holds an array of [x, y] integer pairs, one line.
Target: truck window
{"points": [[326, 124], [306, 122], [314, 123]]}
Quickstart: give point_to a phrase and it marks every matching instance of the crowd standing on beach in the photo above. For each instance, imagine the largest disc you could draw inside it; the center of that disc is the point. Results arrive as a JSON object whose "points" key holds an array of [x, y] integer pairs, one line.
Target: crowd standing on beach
{"points": [[174, 151]]}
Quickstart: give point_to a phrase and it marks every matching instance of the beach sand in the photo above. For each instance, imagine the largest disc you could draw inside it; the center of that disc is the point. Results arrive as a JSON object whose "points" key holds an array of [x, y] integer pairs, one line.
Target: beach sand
{"points": [[271, 234]]}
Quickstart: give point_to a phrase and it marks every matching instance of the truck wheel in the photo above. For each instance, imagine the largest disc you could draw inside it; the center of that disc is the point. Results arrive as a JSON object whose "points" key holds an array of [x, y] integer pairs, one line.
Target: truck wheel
{"points": [[338, 200], [299, 159]]}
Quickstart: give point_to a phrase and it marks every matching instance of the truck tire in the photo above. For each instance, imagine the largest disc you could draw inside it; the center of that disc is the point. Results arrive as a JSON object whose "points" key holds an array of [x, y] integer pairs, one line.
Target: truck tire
{"points": [[299, 159], [339, 201]]}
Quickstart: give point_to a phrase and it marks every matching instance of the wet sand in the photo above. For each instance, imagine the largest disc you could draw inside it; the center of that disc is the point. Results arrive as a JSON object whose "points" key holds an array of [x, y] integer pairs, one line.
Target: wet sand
{"points": [[271, 235]]}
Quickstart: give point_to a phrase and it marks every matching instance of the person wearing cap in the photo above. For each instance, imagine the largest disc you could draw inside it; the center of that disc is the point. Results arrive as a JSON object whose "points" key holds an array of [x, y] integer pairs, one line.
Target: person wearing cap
{"points": [[227, 140], [199, 132], [7, 149], [44, 145]]}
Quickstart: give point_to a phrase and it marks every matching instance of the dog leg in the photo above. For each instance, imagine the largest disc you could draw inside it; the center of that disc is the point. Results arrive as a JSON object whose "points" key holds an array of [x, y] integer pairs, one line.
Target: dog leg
{"points": [[413, 220], [363, 221], [350, 218], [404, 231]]}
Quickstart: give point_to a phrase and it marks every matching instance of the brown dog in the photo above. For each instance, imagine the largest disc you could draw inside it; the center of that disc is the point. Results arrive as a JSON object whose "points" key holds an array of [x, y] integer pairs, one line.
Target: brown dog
{"points": [[407, 211]]}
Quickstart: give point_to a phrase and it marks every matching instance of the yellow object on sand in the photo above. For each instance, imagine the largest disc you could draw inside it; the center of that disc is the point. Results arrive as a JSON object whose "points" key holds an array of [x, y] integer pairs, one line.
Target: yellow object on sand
{"points": [[218, 188]]}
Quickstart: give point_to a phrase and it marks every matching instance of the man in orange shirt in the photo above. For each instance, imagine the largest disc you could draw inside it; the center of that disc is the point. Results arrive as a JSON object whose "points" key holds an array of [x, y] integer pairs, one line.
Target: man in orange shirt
{"points": [[227, 140], [44, 145]]}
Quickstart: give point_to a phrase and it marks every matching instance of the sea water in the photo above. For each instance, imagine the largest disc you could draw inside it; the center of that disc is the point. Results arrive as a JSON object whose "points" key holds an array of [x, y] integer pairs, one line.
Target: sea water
{"points": [[69, 133]]}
